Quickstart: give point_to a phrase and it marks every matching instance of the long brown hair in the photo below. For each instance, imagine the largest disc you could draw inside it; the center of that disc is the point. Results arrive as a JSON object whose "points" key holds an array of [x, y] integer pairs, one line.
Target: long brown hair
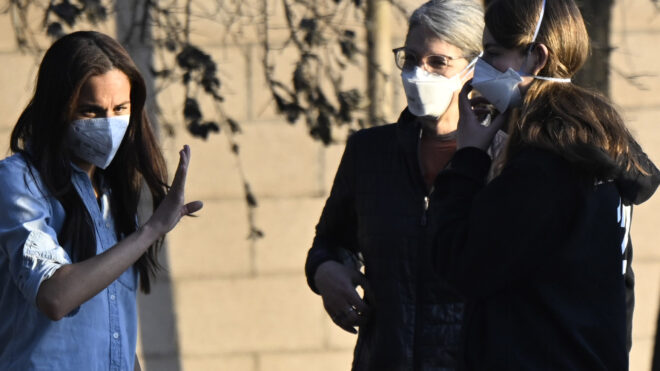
{"points": [[39, 135], [578, 124]]}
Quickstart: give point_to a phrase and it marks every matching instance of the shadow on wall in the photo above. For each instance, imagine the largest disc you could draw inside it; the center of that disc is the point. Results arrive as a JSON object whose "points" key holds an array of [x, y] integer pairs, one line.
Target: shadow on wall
{"points": [[158, 325], [157, 320]]}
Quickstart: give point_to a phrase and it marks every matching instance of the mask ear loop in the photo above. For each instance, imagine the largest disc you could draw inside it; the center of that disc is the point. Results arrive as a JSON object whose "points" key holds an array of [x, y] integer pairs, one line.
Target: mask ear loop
{"points": [[470, 67], [531, 46]]}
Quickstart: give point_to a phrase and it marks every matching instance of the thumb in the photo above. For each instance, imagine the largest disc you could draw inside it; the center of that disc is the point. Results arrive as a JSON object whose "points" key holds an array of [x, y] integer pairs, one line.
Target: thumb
{"points": [[192, 207]]}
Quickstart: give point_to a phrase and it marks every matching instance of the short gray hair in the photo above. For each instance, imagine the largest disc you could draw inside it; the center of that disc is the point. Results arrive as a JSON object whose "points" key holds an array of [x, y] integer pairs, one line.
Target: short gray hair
{"points": [[458, 22]]}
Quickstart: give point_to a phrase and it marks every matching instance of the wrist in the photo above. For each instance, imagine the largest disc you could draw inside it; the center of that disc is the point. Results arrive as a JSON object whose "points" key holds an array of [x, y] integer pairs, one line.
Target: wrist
{"points": [[148, 233]]}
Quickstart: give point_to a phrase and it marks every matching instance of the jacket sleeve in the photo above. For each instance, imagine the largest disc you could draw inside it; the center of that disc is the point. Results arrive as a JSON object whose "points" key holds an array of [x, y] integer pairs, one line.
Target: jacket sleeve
{"points": [[336, 231], [27, 239], [489, 236], [635, 186]]}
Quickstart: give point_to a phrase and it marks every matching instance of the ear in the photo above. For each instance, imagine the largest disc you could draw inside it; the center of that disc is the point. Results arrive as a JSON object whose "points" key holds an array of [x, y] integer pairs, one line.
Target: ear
{"points": [[538, 57]]}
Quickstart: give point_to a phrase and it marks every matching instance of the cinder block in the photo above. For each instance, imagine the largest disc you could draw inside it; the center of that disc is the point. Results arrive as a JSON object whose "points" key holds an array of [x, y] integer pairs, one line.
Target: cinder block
{"points": [[18, 78], [641, 355], [314, 361], [644, 230], [219, 363], [647, 298], [211, 21], [642, 125], [280, 160], [634, 16], [282, 60], [8, 42], [232, 72], [288, 225], [213, 173], [635, 57], [268, 313], [4, 142], [336, 337], [211, 245], [331, 159]]}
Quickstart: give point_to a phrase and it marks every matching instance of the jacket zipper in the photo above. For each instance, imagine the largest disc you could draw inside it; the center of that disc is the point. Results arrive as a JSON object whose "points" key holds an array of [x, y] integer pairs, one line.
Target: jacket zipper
{"points": [[427, 196], [426, 208]]}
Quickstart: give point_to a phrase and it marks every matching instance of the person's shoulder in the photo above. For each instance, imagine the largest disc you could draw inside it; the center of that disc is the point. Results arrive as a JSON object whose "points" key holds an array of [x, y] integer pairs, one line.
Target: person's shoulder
{"points": [[374, 134], [13, 165], [17, 174], [541, 162]]}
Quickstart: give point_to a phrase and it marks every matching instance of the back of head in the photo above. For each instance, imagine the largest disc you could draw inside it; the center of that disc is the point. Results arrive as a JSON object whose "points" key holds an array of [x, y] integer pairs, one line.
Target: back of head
{"points": [[580, 125], [458, 22], [512, 24]]}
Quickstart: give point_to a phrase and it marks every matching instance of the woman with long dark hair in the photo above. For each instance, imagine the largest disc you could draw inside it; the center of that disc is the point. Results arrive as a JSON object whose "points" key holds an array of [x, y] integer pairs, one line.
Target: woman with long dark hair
{"points": [[539, 251], [71, 250]]}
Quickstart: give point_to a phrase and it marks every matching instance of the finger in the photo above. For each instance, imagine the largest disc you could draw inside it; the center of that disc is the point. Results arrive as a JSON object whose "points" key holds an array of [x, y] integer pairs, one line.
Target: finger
{"points": [[340, 320], [192, 207], [353, 318], [182, 169], [463, 99]]}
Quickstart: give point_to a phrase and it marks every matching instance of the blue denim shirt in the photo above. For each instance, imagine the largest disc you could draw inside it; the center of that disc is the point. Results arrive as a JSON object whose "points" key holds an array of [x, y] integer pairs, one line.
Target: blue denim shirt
{"points": [[99, 335]]}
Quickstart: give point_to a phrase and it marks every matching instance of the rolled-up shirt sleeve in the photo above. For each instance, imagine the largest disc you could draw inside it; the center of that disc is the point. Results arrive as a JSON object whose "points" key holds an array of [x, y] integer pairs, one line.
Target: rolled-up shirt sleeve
{"points": [[27, 239]]}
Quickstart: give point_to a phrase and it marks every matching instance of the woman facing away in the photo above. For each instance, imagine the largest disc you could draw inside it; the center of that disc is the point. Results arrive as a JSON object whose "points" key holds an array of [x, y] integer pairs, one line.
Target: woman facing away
{"points": [[410, 319], [539, 251], [71, 252]]}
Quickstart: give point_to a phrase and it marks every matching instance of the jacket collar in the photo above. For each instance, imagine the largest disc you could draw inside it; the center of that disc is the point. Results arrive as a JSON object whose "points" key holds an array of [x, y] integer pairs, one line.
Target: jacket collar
{"points": [[408, 131]]}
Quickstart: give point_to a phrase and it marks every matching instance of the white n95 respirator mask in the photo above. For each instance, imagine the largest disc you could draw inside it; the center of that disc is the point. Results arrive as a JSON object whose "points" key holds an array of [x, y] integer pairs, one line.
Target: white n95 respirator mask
{"points": [[429, 94], [97, 140], [499, 88]]}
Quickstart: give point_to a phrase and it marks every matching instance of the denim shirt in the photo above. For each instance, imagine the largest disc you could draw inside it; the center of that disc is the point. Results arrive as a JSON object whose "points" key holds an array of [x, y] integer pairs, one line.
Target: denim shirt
{"points": [[100, 334]]}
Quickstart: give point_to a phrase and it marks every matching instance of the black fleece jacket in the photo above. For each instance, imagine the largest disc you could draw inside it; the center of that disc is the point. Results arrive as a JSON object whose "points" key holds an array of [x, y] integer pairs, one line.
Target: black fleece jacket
{"points": [[377, 208], [539, 253]]}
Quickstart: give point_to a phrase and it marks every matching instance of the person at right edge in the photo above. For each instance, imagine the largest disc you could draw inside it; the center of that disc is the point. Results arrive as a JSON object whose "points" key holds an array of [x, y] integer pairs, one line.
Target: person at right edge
{"points": [[538, 247]]}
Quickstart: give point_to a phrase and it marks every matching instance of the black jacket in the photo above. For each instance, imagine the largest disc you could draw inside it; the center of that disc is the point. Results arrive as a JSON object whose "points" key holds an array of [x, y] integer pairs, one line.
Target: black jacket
{"points": [[377, 207], [539, 255]]}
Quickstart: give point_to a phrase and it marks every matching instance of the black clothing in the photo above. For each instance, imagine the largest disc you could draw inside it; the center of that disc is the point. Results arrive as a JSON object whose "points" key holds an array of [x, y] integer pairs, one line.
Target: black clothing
{"points": [[377, 208], [539, 255]]}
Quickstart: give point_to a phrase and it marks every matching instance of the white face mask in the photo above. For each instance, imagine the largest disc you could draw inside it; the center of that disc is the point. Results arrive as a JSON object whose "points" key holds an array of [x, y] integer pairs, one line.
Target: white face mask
{"points": [[429, 94], [97, 140], [501, 88]]}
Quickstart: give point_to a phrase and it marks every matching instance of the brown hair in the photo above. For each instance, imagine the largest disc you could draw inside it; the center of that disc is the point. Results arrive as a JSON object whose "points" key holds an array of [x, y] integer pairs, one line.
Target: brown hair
{"points": [[40, 136], [578, 124]]}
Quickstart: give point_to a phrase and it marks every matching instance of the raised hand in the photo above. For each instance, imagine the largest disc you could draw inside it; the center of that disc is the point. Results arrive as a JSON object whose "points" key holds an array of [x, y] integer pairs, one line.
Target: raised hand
{"points": [[173, 208], [471, 132]]}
